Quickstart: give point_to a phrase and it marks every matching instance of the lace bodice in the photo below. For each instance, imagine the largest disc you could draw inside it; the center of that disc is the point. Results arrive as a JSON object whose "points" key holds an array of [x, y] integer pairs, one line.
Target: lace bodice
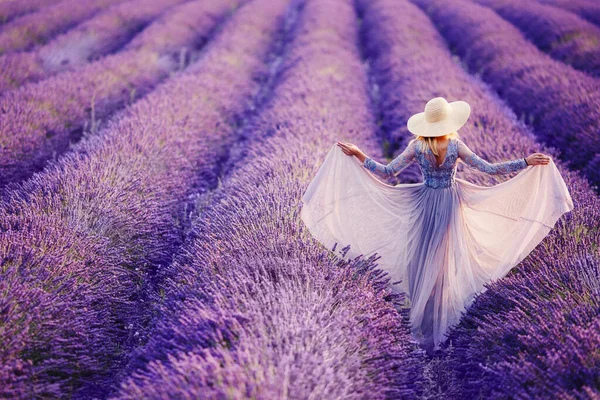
{"points": [[442, 175]]}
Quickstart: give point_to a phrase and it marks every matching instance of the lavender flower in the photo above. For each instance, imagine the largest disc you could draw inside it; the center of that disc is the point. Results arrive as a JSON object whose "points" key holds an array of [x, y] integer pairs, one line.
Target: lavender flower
{"points": [[509, 337], [561, 104], [31, 30], [40, 120], [588, 9], [11, 9], [564, 36], [255, 308], [92, 39], [73, 235]]}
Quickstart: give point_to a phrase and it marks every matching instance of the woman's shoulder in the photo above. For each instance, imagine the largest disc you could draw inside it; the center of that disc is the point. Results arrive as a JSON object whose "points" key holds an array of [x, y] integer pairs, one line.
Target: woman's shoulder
{"points": [[415, 144], [457, 142]]}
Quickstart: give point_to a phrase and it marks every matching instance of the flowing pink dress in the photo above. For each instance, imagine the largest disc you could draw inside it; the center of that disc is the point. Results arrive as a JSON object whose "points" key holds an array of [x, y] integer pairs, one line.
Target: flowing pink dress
{"points": [[442, 238]]}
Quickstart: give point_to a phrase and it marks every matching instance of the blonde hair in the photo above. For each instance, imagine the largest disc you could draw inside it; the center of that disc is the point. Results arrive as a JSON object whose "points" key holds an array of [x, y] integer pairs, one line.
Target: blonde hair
{"points": [[432, 142]]}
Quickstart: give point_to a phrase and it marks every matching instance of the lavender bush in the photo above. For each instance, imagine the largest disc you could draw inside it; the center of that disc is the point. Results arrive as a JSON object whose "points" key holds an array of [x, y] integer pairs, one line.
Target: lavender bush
{"points": [[588, 9], [38, 28], [99, 36], [185, 27], [253, 307], [40, 120], [563, 35], [536, 335], [78, 239], [560, 103], [108, 292], [500, 339], [11, 9]]}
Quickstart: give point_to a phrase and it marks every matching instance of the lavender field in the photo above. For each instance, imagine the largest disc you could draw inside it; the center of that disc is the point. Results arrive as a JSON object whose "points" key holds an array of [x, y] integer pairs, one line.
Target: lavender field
{"points": [[153, 154]]}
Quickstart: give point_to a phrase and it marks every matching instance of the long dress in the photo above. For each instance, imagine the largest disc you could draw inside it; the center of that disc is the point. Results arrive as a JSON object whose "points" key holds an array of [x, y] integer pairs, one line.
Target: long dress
{"points": [[442, 238]]}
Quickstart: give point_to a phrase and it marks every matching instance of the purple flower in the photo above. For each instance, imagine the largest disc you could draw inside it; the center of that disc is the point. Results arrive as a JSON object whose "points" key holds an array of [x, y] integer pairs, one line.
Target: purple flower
{"points": [[253, 307], [562, 105]]}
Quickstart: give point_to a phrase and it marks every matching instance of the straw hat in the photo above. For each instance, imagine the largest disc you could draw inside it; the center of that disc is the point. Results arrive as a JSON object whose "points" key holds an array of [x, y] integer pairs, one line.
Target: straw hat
{"points": [[439, 118]]}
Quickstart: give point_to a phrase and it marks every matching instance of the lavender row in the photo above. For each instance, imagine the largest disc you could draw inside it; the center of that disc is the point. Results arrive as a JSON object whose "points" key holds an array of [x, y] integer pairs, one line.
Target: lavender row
{"points": [[11, 9], [40, 120], [560, 103], [185, 27], [153, 291], [406, 68], [536, 333], [563, 35], [78, 240], [588, 9], [34, 29], [255, 308], [100, 35]]}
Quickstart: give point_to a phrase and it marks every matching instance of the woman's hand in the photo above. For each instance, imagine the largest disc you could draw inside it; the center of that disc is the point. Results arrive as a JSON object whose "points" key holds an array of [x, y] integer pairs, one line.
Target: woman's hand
{"points": [[352, 150], [538, 159]]}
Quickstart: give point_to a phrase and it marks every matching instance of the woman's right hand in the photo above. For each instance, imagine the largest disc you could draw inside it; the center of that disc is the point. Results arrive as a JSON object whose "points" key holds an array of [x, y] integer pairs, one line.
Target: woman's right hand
{"points": [[538, 159], [348, 148], [352, 150]]}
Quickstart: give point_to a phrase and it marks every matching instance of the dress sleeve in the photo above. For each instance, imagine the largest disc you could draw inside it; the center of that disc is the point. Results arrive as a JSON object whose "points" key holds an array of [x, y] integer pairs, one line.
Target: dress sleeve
{"points": [[473, 160], [402, 161]]}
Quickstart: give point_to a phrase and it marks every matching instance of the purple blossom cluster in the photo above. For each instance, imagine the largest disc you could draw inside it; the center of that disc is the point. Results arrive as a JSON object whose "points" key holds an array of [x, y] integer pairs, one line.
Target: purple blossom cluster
{"points": [[184, 27], [546, 309], [37, 28], [11, 9], [40, 120], [90, 40], [588, 9], [252, 307], [163, 255], [560, 103], [79, 239], [565, 36], [534, 335]]}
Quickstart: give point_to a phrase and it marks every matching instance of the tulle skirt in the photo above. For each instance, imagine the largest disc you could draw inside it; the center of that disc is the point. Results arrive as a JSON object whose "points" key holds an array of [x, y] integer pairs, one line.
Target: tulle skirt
{"points": [[442, 244]]}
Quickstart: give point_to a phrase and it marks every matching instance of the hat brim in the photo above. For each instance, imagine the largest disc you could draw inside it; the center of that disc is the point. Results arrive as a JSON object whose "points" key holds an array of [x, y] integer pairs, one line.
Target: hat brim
{"points": [[459, 114]]}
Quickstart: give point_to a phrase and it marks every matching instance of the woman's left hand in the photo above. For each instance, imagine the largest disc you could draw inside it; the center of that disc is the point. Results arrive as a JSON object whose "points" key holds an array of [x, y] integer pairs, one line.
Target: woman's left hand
{"points": [[537, 159], [349, 148]]}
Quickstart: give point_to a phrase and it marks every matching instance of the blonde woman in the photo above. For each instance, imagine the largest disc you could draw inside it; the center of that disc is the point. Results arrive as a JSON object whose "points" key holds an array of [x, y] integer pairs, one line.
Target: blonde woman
{"points": [[441, 239]]}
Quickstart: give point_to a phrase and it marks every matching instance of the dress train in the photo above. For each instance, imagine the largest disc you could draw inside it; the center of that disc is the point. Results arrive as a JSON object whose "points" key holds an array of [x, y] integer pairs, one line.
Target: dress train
{"points": [[442, 244]]}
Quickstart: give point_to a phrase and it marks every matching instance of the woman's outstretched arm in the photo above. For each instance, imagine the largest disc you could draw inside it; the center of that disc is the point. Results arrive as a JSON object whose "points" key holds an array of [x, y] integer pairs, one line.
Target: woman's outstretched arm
{"points": [[402, 161], [474, 161]]}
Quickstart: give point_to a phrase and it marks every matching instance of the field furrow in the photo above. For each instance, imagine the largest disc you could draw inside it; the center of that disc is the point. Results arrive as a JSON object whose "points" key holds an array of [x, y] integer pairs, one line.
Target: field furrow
{"points": [[561, 104], [78, 240], [40, 121], [155, 157], [38, 28], [588, 9], [562, 34], [11, 9], [90, 40], [252, 307], [560, 274], [151, 292]]}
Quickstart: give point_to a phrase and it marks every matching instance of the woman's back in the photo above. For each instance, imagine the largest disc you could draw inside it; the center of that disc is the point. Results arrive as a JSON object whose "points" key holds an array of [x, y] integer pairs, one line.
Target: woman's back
{"points": [[441, 175], [440, 246], [435, 173]]}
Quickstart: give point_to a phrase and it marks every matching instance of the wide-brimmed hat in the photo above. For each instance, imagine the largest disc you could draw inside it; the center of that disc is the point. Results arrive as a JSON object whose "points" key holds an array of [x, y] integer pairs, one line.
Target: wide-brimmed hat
{"points": [[439, 118]]}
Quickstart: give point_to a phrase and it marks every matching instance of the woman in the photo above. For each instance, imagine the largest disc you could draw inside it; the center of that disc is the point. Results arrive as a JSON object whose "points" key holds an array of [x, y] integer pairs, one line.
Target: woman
{"points": [[441, 239]]}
